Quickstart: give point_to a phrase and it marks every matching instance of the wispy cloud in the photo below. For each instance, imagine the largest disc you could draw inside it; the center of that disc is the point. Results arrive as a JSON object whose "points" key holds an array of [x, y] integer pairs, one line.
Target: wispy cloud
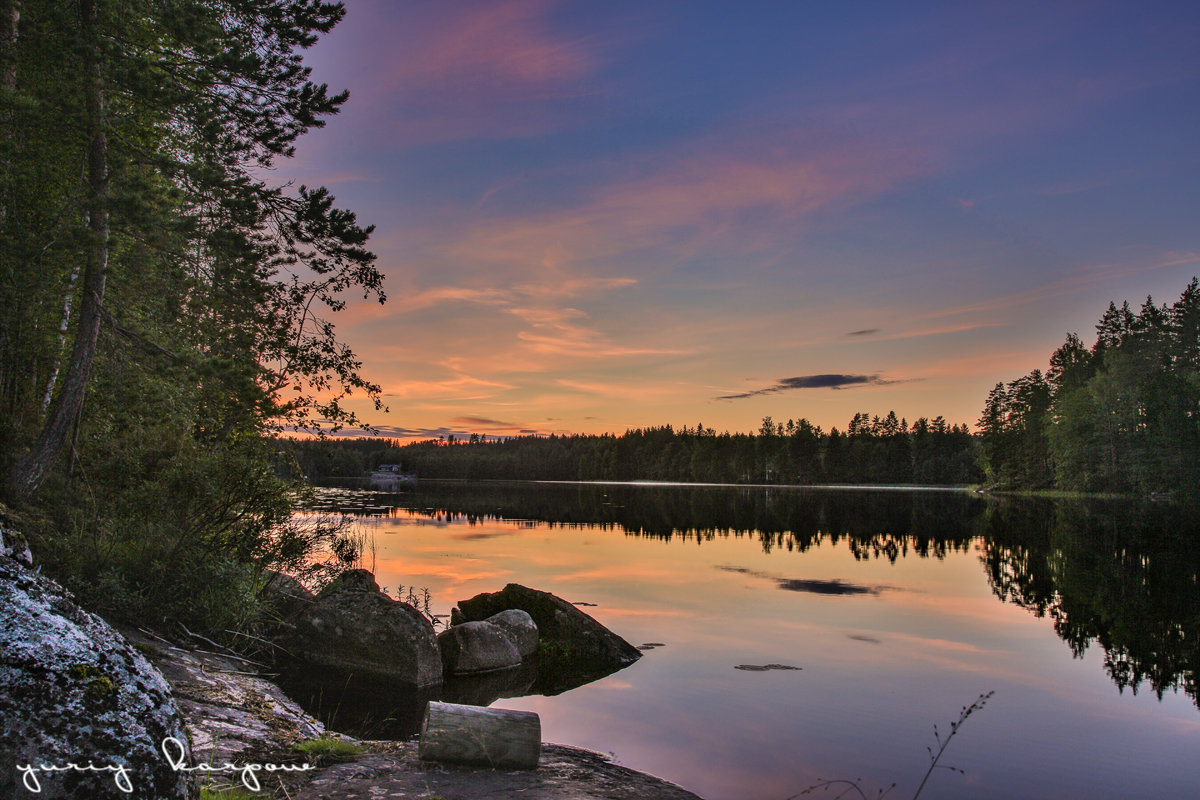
{"points": [[864, 332], [708, 198], [555, 332], [459, 387], [484, 422], [1078, 282], [466, 70], [460, 429]]}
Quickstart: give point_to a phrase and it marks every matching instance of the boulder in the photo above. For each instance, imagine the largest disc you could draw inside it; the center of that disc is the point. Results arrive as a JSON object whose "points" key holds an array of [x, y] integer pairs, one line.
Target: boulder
{"points": [[284, 596], [357, 630], [74, 691], [477, 647], [13, 545], [572, 645], [520, 627], [352, 580]]}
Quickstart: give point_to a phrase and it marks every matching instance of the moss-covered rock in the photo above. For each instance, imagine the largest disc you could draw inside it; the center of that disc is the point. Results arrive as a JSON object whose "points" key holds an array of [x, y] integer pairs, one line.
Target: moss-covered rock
{"points": [[74, 691]]}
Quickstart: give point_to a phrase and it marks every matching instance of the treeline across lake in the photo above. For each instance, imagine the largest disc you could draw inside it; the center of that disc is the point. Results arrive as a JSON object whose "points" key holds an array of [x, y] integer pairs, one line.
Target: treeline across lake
{"points": [[872, 450], [1121, 416]]}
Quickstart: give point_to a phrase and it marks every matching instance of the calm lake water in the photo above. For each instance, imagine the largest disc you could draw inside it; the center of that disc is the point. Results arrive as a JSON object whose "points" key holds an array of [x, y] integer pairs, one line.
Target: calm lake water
{"points": [[898, 608]]}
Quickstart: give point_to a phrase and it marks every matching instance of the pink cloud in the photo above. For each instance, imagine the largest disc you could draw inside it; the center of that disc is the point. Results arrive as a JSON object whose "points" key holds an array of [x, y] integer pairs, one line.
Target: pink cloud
{"points": [[494, 45], [737, 195], [450, 71]]}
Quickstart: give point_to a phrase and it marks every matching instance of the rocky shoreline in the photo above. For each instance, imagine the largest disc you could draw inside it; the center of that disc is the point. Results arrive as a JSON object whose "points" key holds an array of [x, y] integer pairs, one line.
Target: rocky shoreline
{"points": [[66, 669], [234, 716]]}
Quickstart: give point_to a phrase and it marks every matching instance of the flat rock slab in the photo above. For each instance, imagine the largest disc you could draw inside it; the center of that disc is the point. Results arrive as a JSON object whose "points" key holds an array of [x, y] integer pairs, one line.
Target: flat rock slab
{"points": [[564, 773], [230, 715]]}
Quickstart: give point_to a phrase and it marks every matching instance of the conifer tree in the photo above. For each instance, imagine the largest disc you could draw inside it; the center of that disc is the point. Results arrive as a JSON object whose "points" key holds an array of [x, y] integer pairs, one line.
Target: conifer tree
{"points": [[173, 107]]}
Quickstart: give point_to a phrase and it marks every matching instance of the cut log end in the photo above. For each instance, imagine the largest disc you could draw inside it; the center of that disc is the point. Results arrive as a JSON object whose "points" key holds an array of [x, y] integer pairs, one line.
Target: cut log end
{"points": [[490, 737]]}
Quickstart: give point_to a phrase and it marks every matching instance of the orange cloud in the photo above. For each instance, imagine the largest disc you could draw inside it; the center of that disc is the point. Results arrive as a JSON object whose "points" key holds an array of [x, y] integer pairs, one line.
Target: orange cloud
{"points": [[460, 387]]}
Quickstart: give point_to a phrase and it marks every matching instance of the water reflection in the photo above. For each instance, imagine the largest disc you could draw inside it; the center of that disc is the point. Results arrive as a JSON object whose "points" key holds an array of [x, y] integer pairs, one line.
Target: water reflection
{"points": [[374, 709], [878, 524], [1123, 575]]}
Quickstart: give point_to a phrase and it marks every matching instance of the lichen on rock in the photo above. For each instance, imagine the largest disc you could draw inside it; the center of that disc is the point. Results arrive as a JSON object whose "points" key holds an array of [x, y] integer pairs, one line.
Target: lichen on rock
{"points": [[73, 691], [354, 628]]}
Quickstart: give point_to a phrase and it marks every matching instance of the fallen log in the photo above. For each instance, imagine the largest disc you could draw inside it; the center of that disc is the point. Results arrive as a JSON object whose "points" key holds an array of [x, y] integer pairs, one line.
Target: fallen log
{"points": [[492, 737]]}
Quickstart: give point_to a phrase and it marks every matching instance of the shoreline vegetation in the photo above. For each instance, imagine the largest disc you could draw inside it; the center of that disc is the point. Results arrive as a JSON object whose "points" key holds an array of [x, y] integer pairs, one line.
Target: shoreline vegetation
{"points": [[166, 309]]}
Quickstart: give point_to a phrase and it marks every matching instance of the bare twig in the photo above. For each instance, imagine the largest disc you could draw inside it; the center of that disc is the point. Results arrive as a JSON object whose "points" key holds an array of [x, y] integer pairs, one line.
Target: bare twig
{"points": [[966, 712], [203, 638], [855, 786]]}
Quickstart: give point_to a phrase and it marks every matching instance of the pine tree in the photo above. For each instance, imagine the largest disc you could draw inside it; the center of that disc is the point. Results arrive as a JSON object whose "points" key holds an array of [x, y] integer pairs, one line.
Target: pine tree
{"points": [[175, 107]]}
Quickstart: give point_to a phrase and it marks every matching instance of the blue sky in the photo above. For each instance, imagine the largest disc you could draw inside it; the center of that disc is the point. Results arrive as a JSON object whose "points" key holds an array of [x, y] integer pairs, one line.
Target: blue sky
{"points": [[596, 216]]}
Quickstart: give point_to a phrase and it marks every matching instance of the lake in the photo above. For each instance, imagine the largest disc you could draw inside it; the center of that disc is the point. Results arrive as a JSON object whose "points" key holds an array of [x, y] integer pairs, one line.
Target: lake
{"points": [[897, 609]]}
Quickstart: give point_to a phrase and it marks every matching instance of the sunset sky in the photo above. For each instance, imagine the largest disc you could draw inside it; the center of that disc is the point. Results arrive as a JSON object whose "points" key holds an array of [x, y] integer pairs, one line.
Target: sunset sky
{"points": [[604, 215]]}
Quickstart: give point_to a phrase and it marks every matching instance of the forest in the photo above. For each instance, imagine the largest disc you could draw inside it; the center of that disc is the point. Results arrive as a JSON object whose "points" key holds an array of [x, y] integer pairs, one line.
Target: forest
{"points": [[1122, 417], [872, 450], [165, 296]]}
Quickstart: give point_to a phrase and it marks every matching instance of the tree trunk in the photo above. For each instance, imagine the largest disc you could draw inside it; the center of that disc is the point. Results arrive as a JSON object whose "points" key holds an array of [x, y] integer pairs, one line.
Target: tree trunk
{"points": [[490, 737], [10, 17], [36, 465], [63, 326]]}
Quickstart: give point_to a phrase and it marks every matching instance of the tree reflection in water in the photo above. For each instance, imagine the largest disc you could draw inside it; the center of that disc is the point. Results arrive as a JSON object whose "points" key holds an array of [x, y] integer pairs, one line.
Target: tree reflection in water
{"points": [[1121, 574]]}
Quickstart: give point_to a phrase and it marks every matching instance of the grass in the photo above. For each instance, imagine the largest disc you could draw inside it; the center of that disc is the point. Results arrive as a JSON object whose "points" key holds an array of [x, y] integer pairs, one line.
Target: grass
{"points": [[232, 793], [328, 749]]}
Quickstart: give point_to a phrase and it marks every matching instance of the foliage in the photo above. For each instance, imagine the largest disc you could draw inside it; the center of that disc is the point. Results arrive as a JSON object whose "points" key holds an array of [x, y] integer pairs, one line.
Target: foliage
{"points": [[1123, 416], [330, 749], [1122, 576], [874, 450], [329, 745], [874, 525], [228, 793], [162, 306]]}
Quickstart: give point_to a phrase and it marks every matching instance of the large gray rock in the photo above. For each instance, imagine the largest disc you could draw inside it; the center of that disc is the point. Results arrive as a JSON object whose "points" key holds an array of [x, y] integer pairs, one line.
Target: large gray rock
{"points": [[73, 691], [356, 629], [477, 647], [573, 648], [284, 597], [520, 627]]}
